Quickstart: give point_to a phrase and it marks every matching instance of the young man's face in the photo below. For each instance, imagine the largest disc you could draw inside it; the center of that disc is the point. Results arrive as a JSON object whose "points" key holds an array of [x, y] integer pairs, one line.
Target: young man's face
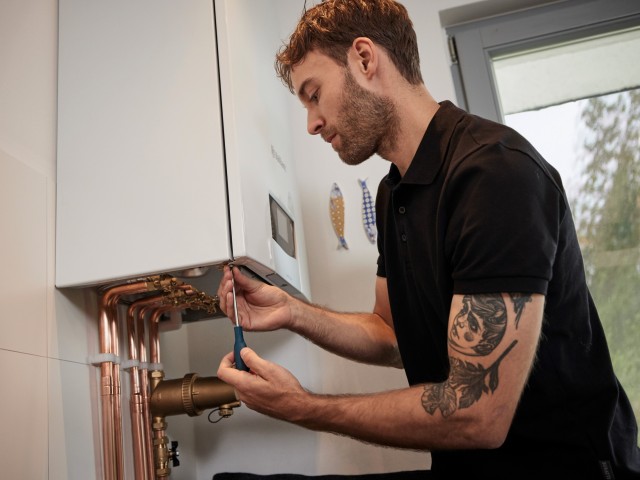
{"points": [[353, 119]]}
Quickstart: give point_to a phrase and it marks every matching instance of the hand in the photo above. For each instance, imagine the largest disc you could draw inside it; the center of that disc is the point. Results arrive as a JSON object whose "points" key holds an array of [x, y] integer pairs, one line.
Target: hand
{"points": [[261, 307], [268, 388]]}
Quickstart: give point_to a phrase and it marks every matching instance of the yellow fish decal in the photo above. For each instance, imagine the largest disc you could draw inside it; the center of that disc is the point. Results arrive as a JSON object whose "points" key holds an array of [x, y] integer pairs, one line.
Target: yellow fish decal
{"points": [[336, 210]]}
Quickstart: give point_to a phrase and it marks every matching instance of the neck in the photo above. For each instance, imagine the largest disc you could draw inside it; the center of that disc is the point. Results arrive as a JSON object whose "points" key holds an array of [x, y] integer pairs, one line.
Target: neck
{"points": [[416, 107]]}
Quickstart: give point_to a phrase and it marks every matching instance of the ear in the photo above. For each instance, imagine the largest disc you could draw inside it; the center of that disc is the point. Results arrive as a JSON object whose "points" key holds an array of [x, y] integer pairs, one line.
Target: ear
{"points": [[364, 56]]}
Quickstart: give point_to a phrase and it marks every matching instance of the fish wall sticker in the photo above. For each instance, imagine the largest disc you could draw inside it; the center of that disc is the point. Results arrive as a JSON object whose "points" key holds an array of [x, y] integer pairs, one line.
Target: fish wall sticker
{"points": [[368, 212], [336, 210]]}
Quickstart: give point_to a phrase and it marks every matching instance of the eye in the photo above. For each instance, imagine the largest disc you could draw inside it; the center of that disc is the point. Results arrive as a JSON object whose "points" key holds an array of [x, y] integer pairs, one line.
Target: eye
{"points": [[474, 325], [314, 97]]}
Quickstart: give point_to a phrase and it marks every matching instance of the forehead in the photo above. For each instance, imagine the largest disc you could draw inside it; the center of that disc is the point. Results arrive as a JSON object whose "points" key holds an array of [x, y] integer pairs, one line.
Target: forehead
{"points": [[314, 67]]}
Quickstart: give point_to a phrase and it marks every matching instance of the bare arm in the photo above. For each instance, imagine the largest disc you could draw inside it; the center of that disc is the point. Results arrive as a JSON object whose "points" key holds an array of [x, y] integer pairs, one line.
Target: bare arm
{"points": [[364, 337], [473, 408]]}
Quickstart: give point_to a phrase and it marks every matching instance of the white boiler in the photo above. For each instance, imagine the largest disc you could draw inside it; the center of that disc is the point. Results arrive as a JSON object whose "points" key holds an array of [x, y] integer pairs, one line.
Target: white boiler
{"points": [[173, 147]]}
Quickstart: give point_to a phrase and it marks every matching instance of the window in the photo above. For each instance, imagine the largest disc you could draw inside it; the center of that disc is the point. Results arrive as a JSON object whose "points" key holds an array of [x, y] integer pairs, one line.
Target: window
{"points": [[567, 76]]}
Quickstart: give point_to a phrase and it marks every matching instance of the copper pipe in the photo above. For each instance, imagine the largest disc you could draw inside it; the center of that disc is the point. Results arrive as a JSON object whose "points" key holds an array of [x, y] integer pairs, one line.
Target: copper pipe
{"points": [[111, 433], [145, 387], [160, 440], [117, 392], [175, 300], [154, 338], [144, 390], [109, 371], [140, 458], [175, 295]]}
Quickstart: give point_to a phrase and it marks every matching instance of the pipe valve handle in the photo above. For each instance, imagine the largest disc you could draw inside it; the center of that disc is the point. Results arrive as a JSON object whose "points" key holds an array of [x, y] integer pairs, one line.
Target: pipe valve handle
{"points": [[174, 454]]}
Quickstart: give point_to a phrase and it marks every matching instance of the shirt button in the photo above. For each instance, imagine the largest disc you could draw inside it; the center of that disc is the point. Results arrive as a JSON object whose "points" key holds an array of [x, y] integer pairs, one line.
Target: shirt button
{"points": [[402, 210], [403, 237]]}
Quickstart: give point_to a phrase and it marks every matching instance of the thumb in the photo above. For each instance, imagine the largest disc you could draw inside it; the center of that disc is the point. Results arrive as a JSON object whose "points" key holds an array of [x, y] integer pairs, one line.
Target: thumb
{"points": [[244, 281], [256, 364]]}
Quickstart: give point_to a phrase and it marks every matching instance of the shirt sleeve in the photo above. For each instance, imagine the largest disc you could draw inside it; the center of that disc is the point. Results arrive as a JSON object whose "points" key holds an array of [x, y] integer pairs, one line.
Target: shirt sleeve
{"points": [[505, 210]]}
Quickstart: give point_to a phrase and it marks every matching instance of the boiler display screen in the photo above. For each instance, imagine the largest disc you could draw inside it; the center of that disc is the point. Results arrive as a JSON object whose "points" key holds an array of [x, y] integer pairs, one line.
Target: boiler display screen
{"points": [[282, 228]]}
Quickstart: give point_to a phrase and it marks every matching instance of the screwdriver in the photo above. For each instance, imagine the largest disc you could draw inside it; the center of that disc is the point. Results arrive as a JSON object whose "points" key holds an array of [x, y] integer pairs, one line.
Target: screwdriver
{"points": [[239, 342]]}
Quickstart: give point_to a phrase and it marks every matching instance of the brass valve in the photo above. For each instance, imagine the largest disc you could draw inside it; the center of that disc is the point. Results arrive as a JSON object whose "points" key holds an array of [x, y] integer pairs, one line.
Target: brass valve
{"points": [[192, 395]]}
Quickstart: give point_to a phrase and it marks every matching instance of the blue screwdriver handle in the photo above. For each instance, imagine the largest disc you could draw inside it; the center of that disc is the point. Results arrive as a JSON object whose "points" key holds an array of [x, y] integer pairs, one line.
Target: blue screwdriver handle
{"points": [[238, 345]]}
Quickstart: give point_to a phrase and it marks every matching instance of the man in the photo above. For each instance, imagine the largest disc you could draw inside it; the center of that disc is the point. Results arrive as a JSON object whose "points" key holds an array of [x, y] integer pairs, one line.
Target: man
{"points": [[480, 291]]}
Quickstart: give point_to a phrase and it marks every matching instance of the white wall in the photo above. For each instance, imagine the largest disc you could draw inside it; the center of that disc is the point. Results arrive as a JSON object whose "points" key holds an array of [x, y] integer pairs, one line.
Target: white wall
{"points": [[49, 406], [50, 400]]}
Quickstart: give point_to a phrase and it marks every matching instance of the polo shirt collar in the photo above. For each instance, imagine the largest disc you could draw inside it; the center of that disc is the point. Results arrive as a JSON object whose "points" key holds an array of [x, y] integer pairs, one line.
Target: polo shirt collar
{"points": [[430, 154]]}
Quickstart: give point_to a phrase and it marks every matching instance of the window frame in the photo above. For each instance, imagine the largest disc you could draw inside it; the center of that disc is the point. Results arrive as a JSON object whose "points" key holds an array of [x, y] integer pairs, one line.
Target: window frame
{"points": [[473, 44]]}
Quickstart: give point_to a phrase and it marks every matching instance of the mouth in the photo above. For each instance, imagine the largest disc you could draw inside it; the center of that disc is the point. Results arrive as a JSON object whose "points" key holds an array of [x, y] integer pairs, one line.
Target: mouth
{"points": [[330, 138]]}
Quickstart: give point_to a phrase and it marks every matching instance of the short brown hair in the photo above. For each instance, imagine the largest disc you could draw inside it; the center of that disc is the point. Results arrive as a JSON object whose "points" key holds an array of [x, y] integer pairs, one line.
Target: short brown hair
{"points": [[332, 25]]}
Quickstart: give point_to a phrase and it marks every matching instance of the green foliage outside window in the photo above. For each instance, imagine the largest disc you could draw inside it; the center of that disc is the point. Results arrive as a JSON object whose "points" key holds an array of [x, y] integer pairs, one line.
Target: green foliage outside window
{"points": [[607, 212]]}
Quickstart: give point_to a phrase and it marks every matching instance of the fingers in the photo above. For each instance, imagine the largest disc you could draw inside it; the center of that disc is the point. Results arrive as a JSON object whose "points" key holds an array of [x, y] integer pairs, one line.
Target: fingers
{"points": [[267, 388], [243, 281], [225, 292], [230, 310], [243, 284], [222, 291], [264, 369], [238, 379], [250, 358], [227, 371], [227, 361], [253, 359]]}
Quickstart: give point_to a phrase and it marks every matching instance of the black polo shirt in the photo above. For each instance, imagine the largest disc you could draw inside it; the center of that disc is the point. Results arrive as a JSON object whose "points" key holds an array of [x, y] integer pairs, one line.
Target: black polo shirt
{"points": [[480, 211]]}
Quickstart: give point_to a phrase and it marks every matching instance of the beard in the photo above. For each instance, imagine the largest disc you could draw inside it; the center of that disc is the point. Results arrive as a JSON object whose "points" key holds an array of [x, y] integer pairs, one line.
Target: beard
{"points": [[367, 123]]}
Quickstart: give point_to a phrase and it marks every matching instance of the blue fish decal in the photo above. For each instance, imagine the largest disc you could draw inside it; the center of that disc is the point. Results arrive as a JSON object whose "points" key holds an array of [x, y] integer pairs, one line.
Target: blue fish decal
{"points": [[368, 212], [336, 210]]}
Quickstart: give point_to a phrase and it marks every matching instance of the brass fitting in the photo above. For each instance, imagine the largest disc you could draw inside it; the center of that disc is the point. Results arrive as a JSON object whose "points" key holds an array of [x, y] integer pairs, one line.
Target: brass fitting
{"points": [[192, 395], [161, 452]]}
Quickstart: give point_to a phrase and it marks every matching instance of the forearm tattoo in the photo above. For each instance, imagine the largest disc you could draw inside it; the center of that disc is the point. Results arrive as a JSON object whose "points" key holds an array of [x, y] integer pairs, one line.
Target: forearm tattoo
{"points": [[519, 300], [477, 331]]}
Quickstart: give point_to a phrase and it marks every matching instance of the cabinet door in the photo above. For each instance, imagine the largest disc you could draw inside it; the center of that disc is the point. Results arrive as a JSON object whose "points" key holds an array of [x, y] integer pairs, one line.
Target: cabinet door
{"points": [[141, 179]]}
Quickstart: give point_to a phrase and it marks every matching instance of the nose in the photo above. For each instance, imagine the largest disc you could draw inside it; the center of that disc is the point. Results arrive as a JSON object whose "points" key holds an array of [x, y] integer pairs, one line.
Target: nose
{"points": [[314, 123]]}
